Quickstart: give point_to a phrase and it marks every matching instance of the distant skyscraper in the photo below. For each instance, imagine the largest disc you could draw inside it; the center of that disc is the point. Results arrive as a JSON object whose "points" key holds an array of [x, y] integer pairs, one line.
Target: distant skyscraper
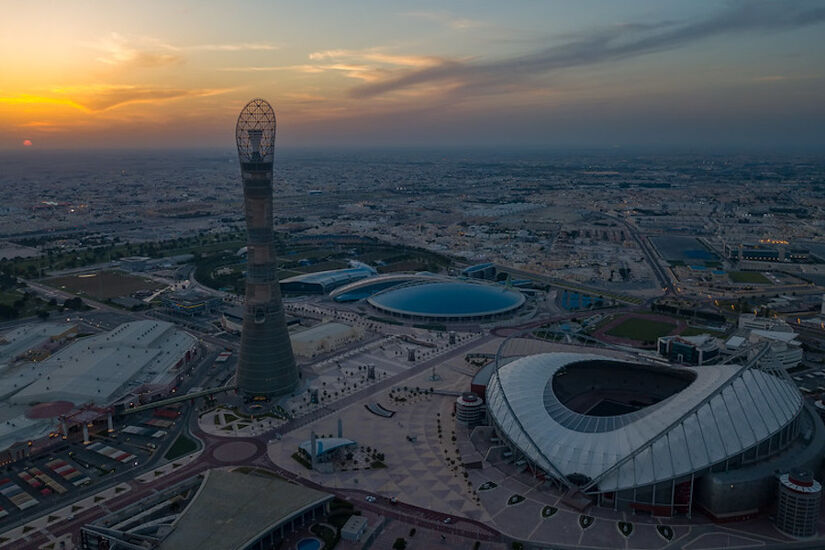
{"points": [[266, 365]]}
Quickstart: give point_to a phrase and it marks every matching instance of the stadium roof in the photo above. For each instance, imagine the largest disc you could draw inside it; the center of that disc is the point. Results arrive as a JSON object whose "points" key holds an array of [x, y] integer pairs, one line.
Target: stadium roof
{"points": [[447, 299], [364, 289], [724, 411], [231, 509], [333, 278]]}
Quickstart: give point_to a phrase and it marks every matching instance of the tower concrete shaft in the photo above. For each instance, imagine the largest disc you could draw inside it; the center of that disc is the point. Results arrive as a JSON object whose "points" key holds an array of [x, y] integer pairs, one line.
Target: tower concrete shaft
{"points": [[266, 365]]}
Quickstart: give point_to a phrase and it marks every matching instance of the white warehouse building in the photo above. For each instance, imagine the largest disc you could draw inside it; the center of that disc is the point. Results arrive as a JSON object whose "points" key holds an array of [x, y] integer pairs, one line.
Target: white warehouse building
{"points": [[100, 368]]}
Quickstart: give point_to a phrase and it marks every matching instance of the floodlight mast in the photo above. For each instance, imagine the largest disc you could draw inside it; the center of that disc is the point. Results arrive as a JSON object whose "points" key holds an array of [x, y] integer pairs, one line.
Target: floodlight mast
{"points": [[266, 364]]}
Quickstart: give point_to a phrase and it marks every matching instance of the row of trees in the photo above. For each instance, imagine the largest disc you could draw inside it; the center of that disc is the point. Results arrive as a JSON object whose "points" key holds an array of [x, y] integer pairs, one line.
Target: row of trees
{"points": [[29, 304], [56, 258]]}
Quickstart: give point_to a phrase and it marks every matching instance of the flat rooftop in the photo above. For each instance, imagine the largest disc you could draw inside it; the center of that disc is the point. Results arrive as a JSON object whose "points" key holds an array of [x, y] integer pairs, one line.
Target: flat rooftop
{"points": [[20, 340], [98, 368], [319, 332], [231, 509]]}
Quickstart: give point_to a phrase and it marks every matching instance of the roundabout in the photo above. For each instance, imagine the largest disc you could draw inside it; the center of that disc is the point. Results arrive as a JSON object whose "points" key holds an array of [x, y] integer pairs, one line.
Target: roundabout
{"points": [[236, 451]]}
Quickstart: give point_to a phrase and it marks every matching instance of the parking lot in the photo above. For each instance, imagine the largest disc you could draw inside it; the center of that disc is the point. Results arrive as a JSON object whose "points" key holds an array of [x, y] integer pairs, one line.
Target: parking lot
{"points": [[71, 470]]}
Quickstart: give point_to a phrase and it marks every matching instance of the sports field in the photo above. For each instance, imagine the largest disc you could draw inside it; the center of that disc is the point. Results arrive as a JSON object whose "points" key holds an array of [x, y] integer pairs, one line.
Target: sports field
{"points": [[103, 285], [753, 277], [644, 330]]}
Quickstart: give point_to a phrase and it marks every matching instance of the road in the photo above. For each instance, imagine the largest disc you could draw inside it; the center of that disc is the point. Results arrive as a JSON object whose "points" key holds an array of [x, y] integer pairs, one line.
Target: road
{"points": [[536, 323], [658, 271], [576, 287]]}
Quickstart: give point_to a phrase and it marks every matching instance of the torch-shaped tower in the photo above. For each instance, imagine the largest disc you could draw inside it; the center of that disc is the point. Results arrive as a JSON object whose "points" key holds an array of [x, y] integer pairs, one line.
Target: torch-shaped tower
{"points": [[266, 366]]}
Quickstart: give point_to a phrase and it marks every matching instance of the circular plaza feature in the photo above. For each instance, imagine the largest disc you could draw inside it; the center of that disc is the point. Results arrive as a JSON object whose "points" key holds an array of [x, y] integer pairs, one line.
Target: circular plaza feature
{"points": [[235, 451], [442, 300]]}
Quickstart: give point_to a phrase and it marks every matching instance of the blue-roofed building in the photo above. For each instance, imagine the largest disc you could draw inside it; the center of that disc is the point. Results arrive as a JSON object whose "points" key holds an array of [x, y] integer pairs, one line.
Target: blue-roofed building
{"points": [[447, 300], [323, 282], [481, 271], [327, 451], [360, 290], [325, 446]]}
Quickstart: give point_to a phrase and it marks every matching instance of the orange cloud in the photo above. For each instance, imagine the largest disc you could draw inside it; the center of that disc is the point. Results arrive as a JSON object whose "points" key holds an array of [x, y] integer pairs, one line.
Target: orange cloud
{"points": [[146, 51], [99, 98], [371, 65], [378, 56], [24, 99], [447, 20], [117, 50]]}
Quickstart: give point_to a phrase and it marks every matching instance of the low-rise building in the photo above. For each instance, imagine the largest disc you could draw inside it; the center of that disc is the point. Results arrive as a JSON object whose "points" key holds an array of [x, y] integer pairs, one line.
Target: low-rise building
{"points": [[324, 338], [752, 321], [785, 348], [481, 271], [190, 302], [702, 349], [469, 409], [323, 282], [799, 504], [229, 511], [354, 528]]}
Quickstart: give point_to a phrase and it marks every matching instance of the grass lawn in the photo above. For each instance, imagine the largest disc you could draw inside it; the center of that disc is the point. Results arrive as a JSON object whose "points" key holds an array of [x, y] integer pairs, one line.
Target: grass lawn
{"points": [[753, 277], [644, 330], [182, 446]]}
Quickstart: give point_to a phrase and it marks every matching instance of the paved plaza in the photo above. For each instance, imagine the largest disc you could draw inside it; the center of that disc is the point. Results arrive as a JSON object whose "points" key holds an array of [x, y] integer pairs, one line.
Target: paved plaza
{"points": [[420, 472]]}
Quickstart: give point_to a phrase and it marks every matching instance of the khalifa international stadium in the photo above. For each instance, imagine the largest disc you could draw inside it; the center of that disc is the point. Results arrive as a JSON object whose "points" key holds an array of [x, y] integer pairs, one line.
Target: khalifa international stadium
{"points": [[654, 439]]}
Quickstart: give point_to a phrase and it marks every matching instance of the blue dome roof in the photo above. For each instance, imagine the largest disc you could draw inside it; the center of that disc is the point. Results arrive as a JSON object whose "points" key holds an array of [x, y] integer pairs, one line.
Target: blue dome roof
{"points": [[448, 299]]}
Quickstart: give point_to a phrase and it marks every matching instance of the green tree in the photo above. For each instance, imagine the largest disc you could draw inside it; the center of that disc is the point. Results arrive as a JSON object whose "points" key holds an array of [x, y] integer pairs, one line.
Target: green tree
{"points": [[399, 544]]}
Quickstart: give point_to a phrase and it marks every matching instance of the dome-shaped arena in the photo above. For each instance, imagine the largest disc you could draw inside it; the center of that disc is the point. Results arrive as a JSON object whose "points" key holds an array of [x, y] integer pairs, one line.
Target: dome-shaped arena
{"points": [[648, 437], [447, 300]]}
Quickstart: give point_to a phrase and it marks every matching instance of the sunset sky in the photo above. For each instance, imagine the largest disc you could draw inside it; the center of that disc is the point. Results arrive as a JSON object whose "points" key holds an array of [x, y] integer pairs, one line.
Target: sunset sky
{"points": [[384, 73]]}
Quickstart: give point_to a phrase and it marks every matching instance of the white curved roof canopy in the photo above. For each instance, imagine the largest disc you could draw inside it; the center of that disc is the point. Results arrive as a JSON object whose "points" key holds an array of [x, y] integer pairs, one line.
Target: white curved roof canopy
{"points": [[723, 412]]}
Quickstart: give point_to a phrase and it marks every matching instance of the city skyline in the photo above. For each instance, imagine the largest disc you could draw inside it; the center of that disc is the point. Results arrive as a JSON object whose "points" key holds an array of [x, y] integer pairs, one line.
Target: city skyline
{"points": [[736, 74]]}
